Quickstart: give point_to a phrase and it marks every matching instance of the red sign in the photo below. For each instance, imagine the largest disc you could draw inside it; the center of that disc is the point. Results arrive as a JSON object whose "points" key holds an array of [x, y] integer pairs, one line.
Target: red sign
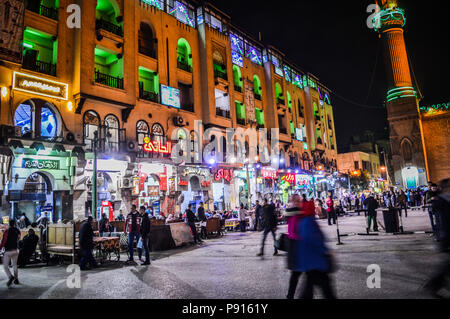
{"points": [[142, 179], [183, 183], [163, 180], [156, 147], [206, 183], [224, 173], [268, 173], [289, 178]]}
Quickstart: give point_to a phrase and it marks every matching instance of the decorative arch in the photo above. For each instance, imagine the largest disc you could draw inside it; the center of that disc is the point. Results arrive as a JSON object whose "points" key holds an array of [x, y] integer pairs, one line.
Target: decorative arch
{"points": [[112, 126], [91, 124], [147, 40], [407, 150], [142, 131]]}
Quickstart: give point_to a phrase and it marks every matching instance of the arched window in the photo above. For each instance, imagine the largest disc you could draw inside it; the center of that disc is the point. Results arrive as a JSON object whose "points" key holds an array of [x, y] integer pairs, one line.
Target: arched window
{"points": [[257, 89], [407, 150], [142, 131], [107, 15], [279, 94], [237, 77], [37, 118], [158, 133], [289, 100], [111, 133], [184, 56], [219, 65], [91, 124], [148, 43]]}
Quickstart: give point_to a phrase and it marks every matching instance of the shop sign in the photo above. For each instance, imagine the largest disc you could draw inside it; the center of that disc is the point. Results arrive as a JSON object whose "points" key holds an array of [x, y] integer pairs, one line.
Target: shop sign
{"points": [[268, 173], [206, 183], [224, 173], [195, 171], [153, 191], [163, 182], [301, 180], [289, 178], [135, 189], [156, 147], [142, 180], [40, 86], [39, 163], [183, 183]]}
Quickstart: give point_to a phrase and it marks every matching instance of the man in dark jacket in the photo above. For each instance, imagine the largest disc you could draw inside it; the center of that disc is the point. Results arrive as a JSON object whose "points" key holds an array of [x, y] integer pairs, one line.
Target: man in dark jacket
{"points": [[270, 226], [258, 215], [132, 228], [371, 205], [104, 226], [27, 247], [191, 219], [441, 205], [430, 196], [145, 235], [202, 218], [86, 239], [10, 241]]}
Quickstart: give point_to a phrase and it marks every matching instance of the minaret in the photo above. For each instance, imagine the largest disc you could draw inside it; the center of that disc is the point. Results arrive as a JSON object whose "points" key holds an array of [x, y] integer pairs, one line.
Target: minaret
{"points": [[402, 100]]}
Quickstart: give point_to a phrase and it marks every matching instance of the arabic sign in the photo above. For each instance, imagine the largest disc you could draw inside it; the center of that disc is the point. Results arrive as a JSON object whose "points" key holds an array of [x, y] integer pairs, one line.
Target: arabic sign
{"points": [[40, 86], [12, 14], [224, 173], [268, 173], [289, 178], [39, 164], [157, 147], [195, 171]]}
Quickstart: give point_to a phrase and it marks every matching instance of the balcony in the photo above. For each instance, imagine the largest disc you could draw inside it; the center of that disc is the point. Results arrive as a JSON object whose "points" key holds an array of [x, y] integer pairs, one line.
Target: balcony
{"points": [[237, 88], [221, 75], [184, 66], [108, 26], [36, 7], [223, 113], [147, 52], [241, 122], [108, 80], [280, 101], [148, 96], [39, 66]]}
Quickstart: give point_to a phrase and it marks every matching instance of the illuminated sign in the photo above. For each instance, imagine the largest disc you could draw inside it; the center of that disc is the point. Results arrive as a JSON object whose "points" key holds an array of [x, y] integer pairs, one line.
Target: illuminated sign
{"points": [[224, 173], [268, 173], [40, 164], [237, 59], [156, 147], [301, 181], [436, 107], [195, 171], [299, 134], [289, 178], [40, 86], [183, 183], [170, 96]]}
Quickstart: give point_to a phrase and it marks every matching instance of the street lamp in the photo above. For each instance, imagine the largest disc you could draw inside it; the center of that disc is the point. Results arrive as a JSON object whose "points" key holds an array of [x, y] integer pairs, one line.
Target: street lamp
{"points": [[94, 176]]}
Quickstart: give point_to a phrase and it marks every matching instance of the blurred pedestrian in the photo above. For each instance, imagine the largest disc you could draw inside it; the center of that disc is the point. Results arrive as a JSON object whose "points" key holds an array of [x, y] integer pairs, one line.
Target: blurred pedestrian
{"points": [[371, 205], [403, 203], [203, 220], [331, 213], [269, 225], [258, 215], [431, 195], [86, 240], [10, 241], [242, 218], [104, 226], [145, 235], [191, 219], [132, 228], [27, 247], [441, 205], [120, 217]]}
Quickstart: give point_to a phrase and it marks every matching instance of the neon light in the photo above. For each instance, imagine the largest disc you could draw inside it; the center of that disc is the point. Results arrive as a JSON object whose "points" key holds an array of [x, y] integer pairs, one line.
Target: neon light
{"points": [[436, 107], [182, 8], [28, 45], [154, 3], [156, 147], [390, 16], [33, 84]]}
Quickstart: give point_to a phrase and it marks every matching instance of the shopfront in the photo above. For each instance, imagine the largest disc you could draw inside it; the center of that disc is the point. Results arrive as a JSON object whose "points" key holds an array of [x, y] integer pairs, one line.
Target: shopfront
{"points": [[193, 187], [222, 182], [42, 181], [269, 183]]}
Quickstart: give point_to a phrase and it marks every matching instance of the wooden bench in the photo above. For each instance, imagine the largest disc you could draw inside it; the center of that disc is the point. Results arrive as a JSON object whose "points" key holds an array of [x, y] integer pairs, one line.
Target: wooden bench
{"points": [[214, 225], [61, 240]]}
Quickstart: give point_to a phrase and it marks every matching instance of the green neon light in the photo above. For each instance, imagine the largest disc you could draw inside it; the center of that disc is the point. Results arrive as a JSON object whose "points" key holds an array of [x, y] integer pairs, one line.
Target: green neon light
{"points": [[28, 45], [390, 14]]}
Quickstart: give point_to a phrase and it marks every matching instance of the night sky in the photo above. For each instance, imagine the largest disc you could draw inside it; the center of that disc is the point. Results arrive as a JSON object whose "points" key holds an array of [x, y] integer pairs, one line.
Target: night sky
{"points": [[331, 40]]}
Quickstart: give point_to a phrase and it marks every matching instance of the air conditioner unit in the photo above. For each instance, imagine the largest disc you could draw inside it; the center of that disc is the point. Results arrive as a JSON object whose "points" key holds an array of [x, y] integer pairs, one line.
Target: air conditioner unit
{"points": [[178, 121], [126, 182], [132, 146]]}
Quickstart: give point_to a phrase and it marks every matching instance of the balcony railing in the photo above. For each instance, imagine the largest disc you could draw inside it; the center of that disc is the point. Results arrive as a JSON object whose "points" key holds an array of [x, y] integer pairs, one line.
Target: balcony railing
{"points": [[220, 74], [257, 96], [36, 7], [108, 80], [147, 51], [184, 66], [223, 113], [39, 66], [108, 26], [237, 88], [280, 101], [148, 96], [241, 122], [260, 126]]}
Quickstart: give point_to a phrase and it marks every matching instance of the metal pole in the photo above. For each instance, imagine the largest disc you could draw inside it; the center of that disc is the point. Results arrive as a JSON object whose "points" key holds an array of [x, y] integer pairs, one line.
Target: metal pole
{"points": [[249, 189], [94, 177]]}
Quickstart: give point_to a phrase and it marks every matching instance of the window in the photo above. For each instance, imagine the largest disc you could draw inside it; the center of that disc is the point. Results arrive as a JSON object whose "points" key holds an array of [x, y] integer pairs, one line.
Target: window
{"points": [[220, 68], [222, 104], [282, 123], [46, 8], [40, 51], [407, 150], [240, 112], [91, 123], [356, 164], [37, 118], [237, 77], [184, 56], [279, 94], [111, 133], [289, 100], [158, 133], [148, 43], [260, 118], [257, 88], [187, 96], [300, 108], [142, 131], [108, 18], [108, 68], [148, 85]]}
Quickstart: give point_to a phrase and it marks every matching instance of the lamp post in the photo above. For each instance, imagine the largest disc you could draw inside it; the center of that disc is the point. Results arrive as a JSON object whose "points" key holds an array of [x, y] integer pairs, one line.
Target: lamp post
{"points": [[94, 176]]}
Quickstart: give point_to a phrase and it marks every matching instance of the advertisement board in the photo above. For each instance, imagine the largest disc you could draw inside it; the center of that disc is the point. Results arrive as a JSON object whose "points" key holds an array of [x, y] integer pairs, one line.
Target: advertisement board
{"points": [[170, 96]]}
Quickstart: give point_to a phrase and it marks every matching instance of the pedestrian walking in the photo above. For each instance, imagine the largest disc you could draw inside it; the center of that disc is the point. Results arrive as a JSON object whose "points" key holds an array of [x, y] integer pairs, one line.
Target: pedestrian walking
{"points": [[371, 205], [10, 242], [242, 219], [441, 204], [270, 226], [203, 220], [191, 219], [430, 196], [145, 235], [133, 224], [86, 240], [312, 256], [331, 213], [403, 203], [258, 215]]}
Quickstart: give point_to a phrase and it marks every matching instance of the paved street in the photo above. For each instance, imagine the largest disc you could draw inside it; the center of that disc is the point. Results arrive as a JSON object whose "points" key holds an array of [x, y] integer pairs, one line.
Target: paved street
{"points": [[228, 268]]}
